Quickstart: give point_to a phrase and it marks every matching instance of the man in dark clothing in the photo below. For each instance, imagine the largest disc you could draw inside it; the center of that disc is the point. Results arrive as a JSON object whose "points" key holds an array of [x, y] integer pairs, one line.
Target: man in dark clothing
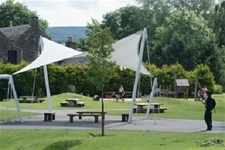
{"points": [[208, 109]]}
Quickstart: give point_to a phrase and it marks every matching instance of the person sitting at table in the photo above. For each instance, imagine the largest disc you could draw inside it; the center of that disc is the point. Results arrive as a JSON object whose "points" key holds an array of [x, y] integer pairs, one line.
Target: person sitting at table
{"points": [[121, 93]]}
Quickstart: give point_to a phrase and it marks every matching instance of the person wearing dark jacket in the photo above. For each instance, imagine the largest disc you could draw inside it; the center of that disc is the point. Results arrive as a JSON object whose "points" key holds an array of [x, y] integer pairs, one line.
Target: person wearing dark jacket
{"points": [[208, 109]]}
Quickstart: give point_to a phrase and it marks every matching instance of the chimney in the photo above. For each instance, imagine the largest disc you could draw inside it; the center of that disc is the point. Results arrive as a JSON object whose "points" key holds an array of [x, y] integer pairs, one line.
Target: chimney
{"points": [[70, 43], [34, 22]]}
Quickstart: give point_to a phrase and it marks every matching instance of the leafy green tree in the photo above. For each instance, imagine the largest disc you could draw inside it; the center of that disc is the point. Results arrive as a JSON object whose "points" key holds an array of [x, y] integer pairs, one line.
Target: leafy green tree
{"points": [[219, 22], [185, 38], [205, 76], [125, 21], [82, 44], [15, 13], [99, 47], [202, 7]]}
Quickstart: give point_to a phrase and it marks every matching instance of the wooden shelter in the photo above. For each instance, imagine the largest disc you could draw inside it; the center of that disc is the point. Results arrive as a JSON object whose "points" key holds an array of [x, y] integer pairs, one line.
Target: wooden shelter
{"points": [[182, 86]]}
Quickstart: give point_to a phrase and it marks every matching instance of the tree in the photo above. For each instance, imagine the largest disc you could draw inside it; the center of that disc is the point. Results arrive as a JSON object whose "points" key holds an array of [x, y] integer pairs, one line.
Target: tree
{"points": [[219, 22], [82, 44], [185, 38], [125, 21], [99, 47], [202, 7], [16, 13]]}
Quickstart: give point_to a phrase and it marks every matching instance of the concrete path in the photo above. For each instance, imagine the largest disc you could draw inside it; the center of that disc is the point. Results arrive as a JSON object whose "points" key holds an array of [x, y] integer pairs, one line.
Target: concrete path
{"points": [[111, 123]]}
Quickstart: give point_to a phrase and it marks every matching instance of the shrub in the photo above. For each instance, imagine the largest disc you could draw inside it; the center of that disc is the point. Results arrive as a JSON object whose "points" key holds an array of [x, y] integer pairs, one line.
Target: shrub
{"points": [[212, 142], [218, 89]]}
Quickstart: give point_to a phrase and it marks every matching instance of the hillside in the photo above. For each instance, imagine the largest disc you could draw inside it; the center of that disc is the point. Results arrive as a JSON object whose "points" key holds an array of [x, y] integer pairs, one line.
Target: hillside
{"points": [[60, 34]]}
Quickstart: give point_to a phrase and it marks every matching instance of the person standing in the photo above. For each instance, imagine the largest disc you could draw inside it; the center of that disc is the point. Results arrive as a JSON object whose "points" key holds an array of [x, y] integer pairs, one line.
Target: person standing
{"points": [[208, 109], [121, 92]]}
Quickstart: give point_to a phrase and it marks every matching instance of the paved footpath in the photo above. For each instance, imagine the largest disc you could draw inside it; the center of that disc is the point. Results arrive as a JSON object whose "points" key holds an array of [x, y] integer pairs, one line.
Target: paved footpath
{"points": [[153, 123]]}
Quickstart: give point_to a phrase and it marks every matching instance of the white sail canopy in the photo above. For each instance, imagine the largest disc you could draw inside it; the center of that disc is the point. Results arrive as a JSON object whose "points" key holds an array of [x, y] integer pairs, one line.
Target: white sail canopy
{"points": [[50, 52], [126, 53]]}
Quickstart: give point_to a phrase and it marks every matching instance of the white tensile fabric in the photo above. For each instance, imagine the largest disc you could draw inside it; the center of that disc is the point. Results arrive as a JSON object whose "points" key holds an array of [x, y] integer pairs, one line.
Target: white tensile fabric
{"points": [[50, 52], [126, 53]]}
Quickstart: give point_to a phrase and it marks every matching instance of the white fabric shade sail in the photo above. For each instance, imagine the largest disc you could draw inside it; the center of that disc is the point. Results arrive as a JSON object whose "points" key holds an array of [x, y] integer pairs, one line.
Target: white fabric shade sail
{"points": [[50, 52], [126, 53]]}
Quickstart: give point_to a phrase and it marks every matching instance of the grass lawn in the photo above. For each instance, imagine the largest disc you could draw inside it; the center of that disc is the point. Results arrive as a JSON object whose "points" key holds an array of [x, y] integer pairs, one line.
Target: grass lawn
{"points": [[121, 140], [177, 108]]}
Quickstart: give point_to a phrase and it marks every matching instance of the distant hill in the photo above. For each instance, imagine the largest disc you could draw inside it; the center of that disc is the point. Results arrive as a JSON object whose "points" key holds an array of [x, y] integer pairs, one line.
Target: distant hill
{"points": [[60, 34]]}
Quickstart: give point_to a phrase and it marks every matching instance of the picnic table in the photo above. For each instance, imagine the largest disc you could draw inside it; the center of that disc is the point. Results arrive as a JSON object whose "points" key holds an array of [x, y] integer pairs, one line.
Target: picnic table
{"points": [[30, 99], [72, 101], [81, 114], [156, 107]]}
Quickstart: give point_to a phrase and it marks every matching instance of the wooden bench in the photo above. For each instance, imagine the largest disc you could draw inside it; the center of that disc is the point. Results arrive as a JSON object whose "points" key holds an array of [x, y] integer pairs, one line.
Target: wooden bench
{"points": [[83, 115], [64, 104], [31, 101], [49, 116], [80, 104], [157, 110], [25, 97]]}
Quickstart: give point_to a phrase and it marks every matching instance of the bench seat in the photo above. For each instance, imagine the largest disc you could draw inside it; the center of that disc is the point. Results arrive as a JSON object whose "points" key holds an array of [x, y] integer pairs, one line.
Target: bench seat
{"points": [[64, 104], [83, 115], [31, 101], [80, 104], [158, 110]]}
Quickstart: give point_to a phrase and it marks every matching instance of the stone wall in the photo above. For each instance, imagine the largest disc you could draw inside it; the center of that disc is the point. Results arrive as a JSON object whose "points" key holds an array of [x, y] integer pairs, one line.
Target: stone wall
{"points": [[26, 44], [4, 47]]}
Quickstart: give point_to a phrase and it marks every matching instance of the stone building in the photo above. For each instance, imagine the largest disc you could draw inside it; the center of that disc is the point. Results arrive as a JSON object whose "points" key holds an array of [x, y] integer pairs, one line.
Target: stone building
{"points": [[20, 42]]}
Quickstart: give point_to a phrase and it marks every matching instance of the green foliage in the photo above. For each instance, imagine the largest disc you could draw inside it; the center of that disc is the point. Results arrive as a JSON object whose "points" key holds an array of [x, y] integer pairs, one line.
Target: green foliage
{"points": [[15, 13], [76, 78], [218, 19], [212, 142], [82, 44], [125, 21], [218, 89], [182, 36], [204, 76], [100, 47]]}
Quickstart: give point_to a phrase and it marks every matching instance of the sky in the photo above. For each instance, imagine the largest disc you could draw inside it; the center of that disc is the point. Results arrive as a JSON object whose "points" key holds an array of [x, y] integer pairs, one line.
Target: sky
{"points": [[73, 12]]}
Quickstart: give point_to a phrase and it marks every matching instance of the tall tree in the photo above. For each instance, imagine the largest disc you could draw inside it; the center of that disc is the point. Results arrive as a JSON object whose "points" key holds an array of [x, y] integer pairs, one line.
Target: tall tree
{"points": [[185, 38], [202, 7], [125, 21], [219, 22], [15, 13], [99, 47]]}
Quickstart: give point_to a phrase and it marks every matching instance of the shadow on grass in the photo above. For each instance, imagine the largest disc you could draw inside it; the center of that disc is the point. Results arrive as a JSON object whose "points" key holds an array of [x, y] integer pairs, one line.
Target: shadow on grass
{"points": [[63, 145]]}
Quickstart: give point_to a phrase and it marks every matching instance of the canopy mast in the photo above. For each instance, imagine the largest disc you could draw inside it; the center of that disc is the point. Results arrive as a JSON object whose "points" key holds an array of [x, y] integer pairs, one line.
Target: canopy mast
{"points": [[144, 37]]}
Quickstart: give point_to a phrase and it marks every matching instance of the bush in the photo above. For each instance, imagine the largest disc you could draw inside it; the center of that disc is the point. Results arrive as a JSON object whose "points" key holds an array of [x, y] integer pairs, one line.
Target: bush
{"points": [[218, 89], [212, 142]]}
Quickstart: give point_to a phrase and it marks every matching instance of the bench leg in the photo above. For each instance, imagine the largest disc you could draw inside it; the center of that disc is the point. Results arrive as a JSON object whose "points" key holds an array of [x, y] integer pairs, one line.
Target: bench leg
{"points": [[45, 117], [71, 118], [125, 117], [50, 117], [96, 119], [80, 116]]}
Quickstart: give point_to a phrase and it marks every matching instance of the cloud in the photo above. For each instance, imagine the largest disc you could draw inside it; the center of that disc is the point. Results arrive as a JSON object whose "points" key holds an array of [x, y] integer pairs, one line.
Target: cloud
{"points": [[73, 12]]}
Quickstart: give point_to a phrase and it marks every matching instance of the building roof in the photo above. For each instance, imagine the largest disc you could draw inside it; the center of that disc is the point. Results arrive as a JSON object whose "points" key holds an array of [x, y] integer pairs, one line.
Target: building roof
{"points": [[14, 32], [182, 82]]}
